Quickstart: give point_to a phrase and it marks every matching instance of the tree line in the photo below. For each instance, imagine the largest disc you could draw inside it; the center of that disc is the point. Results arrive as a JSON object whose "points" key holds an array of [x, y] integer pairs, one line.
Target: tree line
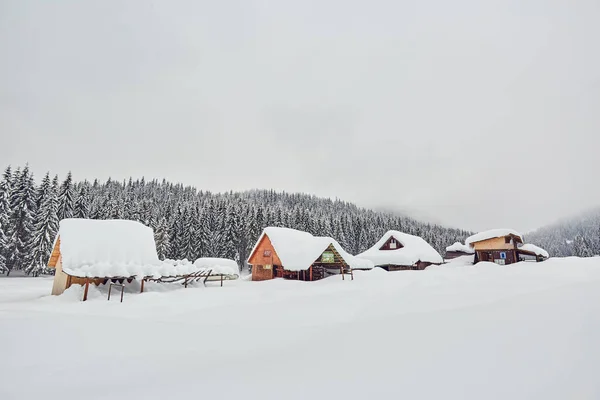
{"points": [[187, 222]]}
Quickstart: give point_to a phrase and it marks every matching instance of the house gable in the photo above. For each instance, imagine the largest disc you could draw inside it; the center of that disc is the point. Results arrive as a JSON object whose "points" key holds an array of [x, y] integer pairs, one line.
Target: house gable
{"points": [[264, 253], [391, 244]]}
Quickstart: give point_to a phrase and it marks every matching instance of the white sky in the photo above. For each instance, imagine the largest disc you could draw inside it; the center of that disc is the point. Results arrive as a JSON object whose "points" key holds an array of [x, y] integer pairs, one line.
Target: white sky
{"points": [[469, 114]]}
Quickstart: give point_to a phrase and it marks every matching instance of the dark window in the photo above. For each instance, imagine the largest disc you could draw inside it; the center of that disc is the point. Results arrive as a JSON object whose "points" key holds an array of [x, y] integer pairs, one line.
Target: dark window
{"points": [[507, 239]]}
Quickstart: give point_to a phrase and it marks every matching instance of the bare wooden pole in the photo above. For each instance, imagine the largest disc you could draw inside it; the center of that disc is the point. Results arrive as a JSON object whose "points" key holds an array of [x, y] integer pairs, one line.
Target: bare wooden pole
{"points": [[310, 273], [351, 274], [342, 271], [142, 289], [122, 290], [85, 291], [221, 280]]}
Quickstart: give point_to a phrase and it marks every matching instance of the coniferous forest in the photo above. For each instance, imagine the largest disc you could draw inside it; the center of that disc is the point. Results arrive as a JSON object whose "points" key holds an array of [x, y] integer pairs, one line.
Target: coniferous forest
{"points": [[187, 222]]}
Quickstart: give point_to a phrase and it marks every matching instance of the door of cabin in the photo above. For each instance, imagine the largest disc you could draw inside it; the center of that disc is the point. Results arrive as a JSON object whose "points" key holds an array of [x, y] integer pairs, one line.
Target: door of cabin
{"points": [[485, 256]]}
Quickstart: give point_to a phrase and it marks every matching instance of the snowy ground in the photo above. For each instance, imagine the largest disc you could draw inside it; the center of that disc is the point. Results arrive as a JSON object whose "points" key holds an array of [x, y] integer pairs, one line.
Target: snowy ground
{"points": [[527, 331]]}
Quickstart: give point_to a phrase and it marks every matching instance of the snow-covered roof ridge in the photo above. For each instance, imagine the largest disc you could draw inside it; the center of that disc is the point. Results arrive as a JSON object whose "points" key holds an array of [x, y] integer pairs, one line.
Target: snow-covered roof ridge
{"points": [[534, 249], [414, 249], [458, 246], [298, 250], [491, 234]]}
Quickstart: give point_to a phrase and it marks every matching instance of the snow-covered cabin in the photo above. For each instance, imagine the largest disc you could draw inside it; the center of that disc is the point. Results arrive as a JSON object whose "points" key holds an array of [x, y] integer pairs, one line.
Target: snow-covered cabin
{"points": [[499, 246], [397, 251], [458, 250], [292, 254]]}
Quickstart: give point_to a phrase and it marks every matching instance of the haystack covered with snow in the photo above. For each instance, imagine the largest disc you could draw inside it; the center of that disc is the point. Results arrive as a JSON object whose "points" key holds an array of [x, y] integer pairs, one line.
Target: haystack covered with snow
{"points": [[398, 250], [295, 251]]}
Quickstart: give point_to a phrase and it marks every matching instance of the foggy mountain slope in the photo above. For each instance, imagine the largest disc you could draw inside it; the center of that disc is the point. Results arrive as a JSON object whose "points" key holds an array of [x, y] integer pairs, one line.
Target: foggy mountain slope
{"points": [[575, 236]]}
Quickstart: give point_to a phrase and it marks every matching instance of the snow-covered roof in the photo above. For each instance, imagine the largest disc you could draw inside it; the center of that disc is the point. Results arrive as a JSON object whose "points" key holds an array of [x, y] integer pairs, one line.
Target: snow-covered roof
{"points": [[414, 249], [298, 250], [223, 266], [491, 234], [114, 248], [459, 247], [534, 249]]}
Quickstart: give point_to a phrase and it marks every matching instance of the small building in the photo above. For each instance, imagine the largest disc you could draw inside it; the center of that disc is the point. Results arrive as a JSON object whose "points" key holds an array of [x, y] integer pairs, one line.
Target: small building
{"points": [[458, 250], [499, 246], [89, 251], [531, 252], [292, 254], [397, 251]]}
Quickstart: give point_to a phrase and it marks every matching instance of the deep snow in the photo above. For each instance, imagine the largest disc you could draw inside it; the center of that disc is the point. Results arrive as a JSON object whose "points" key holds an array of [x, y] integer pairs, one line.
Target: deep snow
{"points": [[524, 331]]}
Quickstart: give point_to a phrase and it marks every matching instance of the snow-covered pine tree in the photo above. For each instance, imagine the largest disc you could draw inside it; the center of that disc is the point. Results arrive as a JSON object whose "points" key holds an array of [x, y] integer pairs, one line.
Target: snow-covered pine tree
{"points": [[66, 198], [45, 228], [5, 185], [230, 238], [162, 239], [22, 206], [81, 208]]}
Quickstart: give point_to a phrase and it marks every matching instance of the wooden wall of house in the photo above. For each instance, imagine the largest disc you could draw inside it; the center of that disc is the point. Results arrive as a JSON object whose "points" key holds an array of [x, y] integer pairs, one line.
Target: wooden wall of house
{"points": [[450, 255], [258, 260], [495, 255], [494, 244]]}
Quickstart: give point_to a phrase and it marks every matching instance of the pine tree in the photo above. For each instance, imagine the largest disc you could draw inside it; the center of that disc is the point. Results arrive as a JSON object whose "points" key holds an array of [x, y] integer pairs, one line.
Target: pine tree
{"points": [[46, 227], [230, 238], [162, 239], [5, 185], [81, 209], [66, 197], [22, 205]]}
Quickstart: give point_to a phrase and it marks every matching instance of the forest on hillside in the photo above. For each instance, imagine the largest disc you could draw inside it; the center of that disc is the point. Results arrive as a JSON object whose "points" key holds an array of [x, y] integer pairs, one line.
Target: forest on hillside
{"points": [[187, 222], [578, 236]]}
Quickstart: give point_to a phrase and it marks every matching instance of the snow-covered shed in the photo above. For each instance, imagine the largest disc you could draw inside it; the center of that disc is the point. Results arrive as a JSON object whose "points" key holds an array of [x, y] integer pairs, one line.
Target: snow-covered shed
{"points": [[292, 254], [497, 245], [96, 251], [397, 251], [531, 252], [458, 250]]}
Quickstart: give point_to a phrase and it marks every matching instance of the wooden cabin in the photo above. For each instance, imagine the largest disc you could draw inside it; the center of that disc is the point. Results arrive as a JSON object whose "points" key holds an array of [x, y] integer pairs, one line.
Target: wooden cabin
{"points": [[458, 250], [292, 254], [499, 246], [398, 251]]}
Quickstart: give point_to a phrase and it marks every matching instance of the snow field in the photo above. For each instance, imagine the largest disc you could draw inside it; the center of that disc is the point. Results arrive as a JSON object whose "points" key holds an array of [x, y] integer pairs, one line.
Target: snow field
{"points": [[524, 331]]}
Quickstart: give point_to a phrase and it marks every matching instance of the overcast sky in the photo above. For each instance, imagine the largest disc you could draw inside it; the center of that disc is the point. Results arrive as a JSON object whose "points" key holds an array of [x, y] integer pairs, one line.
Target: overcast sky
{"points": [[476, 114]]}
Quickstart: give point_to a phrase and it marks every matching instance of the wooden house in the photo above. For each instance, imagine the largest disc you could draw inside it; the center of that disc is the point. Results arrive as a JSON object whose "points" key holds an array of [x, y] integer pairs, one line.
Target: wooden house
{"points": [[499, 246], [397, 251], [458, 250], [292, 254]]}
